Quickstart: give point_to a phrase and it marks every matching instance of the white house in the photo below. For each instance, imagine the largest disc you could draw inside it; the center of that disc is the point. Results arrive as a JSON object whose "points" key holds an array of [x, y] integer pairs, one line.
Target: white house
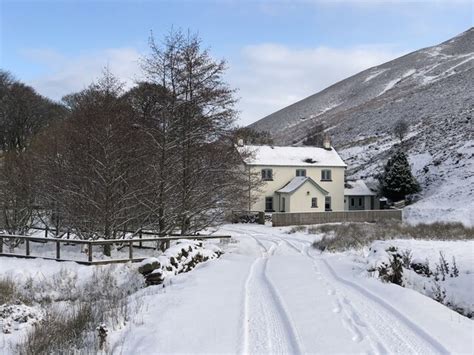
{"points": [[297, 179], [304, 179]]}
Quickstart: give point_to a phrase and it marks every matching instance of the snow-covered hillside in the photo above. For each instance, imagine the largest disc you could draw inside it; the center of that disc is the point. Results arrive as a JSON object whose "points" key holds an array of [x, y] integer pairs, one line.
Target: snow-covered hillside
{"points": [[433, 90]]}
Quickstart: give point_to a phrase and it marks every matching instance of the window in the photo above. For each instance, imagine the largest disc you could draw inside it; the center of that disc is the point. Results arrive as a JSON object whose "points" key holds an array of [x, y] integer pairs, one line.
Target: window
{"points": [[314, 202], [326, 175], [327, 203], [300, 172], [267, 174], [268, 204], [360, 201], [352, 201]]}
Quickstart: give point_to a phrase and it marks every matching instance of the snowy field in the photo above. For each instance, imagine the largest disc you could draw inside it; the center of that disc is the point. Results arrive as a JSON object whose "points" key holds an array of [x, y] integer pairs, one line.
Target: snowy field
{"points": [[272, 292]]}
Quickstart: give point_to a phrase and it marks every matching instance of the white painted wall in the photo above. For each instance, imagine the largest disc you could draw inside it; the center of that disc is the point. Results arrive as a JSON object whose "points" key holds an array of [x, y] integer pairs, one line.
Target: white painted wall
{"points": [[283, 174]]}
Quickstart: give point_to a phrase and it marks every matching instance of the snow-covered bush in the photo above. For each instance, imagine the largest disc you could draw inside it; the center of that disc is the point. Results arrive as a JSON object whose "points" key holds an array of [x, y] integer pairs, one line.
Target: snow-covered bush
{"points": [[392, 271], [426, 272], [182, 257], [16, 316], [68, 307]]}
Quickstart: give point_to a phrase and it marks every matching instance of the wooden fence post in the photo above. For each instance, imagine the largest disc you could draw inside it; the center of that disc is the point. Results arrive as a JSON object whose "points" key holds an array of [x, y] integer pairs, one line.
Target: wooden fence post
{"points": [[1, 244], [89, 249], [140, 236], [58, 250], [130, 250], [46, 232], [27, 247]]}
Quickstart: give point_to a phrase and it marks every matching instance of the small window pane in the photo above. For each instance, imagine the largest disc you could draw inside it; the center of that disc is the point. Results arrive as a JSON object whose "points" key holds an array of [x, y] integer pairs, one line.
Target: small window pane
{"points": [[269, 204], [325, 175], [267, 174], [327, 203], [300, 172]]}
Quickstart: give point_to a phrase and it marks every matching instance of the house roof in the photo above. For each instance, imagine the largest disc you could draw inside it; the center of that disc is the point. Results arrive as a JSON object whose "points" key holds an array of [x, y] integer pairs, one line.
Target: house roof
{"points": [[290, 156], [357, 188], [297, 182]]}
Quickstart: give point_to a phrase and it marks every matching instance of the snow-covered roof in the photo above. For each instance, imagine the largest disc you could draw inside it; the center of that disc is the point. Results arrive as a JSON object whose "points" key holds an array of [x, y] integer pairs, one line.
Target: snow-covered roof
{"points": [[297, 182], [291, 156], [358, 188]]}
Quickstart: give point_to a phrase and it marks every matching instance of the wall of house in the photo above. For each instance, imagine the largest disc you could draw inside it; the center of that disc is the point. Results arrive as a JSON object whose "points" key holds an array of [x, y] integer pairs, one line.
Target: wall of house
{"points": [[301, 200], [283, 174], [367, 202]]}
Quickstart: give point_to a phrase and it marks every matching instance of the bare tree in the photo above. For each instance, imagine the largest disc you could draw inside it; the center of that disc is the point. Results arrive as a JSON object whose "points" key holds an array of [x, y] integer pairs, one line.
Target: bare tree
{"points": [[152, 107], [251, 136], [23, 113], [400, 129], [97, 187], [17, 192], [201, 113]]}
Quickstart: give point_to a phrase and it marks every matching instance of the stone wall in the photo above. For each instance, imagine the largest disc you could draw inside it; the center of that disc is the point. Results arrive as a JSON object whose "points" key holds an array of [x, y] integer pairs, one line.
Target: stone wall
{"points": [[293, 219]]}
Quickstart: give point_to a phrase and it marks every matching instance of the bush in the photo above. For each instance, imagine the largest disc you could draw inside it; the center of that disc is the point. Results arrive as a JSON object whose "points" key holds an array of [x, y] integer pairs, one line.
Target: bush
{"points": [[339, 237], [72, 327], [296, 229], [60, 332], [7, 290], [392, 271]]}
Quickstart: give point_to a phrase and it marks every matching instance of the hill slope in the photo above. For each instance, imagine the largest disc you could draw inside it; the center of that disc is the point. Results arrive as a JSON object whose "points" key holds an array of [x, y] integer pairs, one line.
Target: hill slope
{"points": [[433, 89]]}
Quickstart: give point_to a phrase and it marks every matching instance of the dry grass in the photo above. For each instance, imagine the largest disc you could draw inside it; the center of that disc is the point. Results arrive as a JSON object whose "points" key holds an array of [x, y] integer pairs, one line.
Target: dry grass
{"points": [[60, 332], [356, 235], [69, 324], [7, 290], [296, 229]]}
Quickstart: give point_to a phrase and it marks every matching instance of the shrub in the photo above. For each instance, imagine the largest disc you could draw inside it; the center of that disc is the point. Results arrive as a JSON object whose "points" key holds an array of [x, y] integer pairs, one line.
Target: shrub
{"points": [[393, 270], [59, 331], [71, 329], [344, 236], [8, 292], [296, 229]]}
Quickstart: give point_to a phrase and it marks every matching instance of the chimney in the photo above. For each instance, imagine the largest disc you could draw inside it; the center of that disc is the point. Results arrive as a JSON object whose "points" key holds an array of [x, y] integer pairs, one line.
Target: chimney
{"points": [[240, 142], [327, 142]]}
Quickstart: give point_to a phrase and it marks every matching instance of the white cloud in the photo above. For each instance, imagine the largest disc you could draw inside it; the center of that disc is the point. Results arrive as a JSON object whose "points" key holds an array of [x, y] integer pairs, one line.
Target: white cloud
{"points": [[268, 76], [272, 76], [64, 74]]}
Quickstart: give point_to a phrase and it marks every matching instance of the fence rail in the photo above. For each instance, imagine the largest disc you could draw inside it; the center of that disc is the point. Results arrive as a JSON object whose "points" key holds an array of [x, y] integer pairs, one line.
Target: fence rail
{"points": [[292, 219], [130, 243]]}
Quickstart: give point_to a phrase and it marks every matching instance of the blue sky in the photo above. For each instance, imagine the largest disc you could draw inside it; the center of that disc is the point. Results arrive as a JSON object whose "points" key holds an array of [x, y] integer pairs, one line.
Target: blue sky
{"points": [[278, 51]]}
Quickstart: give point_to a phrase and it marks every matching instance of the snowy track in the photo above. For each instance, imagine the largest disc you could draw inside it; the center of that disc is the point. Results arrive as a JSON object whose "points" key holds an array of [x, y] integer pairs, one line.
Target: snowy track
{"points": [[272, 293], [266, 327], [367, 315]]}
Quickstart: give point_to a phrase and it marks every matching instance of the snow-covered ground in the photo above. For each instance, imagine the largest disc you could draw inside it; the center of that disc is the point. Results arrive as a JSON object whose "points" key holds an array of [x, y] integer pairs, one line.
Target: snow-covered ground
{"points": [[271, 292]]}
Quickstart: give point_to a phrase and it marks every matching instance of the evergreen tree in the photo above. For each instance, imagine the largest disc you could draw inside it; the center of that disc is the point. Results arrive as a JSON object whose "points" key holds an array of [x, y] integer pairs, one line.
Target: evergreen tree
{"points": [[397, 180]]}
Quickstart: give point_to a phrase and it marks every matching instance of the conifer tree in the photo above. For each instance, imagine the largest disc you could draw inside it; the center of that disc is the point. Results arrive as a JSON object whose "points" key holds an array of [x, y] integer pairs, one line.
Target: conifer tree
{"points": [[397, 180]]}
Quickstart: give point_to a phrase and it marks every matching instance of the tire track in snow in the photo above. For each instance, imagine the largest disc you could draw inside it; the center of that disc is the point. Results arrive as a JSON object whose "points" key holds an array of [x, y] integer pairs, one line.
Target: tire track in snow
{"points": [[396, 332], [267, 327]]}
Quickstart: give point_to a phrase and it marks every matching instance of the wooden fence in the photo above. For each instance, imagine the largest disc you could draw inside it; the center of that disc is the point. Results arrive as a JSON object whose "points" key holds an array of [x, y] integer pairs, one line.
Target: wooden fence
{"points": [[90, 245], [292, 219]]}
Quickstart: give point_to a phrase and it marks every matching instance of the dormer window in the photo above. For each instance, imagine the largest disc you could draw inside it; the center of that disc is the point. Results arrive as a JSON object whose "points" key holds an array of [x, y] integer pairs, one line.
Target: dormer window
{"points": [[326, 175], [267, 174], [300, 172]]}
